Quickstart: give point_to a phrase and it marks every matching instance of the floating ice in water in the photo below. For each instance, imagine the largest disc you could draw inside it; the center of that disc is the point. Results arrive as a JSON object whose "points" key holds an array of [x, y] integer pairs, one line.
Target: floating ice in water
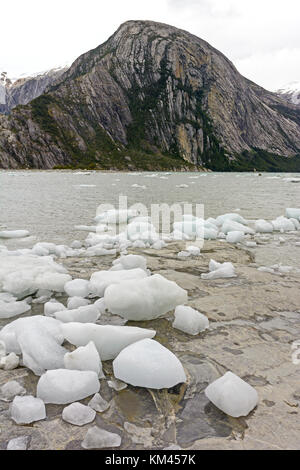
{"points": [[14, 234], [235, 237], [76, 302], [12, 309], [144, 299], [51, 307], [282, 224], [291, 180], [9, 362], [86, 314], [182, 186], [19, 443], [293, 213], [78, 414], [100, 280], [84, 358], [77, 288], [232, 395], [108, 339], [189, 320], [64, 386], [97, 438], [10, 390], [231, 226], [138, 186], [219, 271], [22, 275], [148, 364], [117, 385], [230, 217], [130, 262], [116, 216], [262, 226], [27, 409], [98, 403], [38, 338]]}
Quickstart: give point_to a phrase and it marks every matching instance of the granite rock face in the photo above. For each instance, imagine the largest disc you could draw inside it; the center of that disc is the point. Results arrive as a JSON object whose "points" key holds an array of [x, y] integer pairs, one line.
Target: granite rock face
{"points": [[152, 88]]}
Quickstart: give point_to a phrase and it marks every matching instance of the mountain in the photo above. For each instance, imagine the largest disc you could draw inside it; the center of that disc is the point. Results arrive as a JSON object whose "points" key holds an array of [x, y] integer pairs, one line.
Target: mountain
{"points": [[291, 92], [25, 89], [153, 96]]}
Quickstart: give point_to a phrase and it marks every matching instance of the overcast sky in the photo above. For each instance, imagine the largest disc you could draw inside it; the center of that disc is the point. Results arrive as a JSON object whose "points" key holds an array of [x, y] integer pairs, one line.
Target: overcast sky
{"points": [[261, 37]]}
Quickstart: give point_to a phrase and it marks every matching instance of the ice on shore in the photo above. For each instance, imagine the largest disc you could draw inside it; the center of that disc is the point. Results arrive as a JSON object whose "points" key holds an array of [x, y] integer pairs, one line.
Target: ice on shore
{"points": [[100, 280], [282, 224], [98, 403], [262, 226], [235, 237], [117, 385], [84, 358], [14, 234], [78, 414], [9, 362], [230, 217], [10, 390], [27, 409], [193, 250], [76, 302], [232, 226], [148, 364], [232, 395], [97, 438], [86, 314], [144, 299], [129, 262], [108, 339], [219, 271], [12, 309], [77, 288], [53, 306], [189, 320], [18, 443], [116, 216], [64, 386]]}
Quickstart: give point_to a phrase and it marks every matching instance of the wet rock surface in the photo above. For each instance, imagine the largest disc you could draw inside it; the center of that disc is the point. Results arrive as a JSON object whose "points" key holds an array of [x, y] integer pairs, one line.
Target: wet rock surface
{"points": [[254, 320]]}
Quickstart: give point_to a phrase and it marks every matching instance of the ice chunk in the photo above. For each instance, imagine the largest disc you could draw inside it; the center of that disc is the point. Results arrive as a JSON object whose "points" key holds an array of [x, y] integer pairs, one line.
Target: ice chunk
{"points": [[97, 438], [108, 339], [84, 358], [87, 314], [19, 443], [9, 362], [76, 302], [219, 271], [262, 226], [14, 234], [27, 409], [77, 288], [12, 309], [189, 320], [78, 414], [148, 364], [100, 305], [102, 279], [64, 386], [232, 226], [98, 403], [282, 224], [194, 250], [51, 307], [293, 213], [232, 395], [130, 262], [2, 349], [10, 390], [230, 217], [144, 299], [116, 216], [251, 244], [184, 254], [235, 237], [117, 385]]}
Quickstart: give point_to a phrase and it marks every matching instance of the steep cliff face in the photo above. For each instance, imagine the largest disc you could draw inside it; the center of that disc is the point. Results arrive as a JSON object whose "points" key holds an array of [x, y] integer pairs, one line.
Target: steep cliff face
{"points": [[24, 90], [150, 93]]}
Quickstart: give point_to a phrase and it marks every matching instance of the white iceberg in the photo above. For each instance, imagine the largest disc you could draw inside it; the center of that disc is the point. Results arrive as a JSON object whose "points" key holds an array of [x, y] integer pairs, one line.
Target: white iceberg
{"points": [[235, 237], [189, 320], [232, 395], [282, 224], [64, 386], [219, 271], [293, 213], [100, 280], [231, 226], [148, 364], [144, 299], [14, 234], [77, 288], [87, 314], [262, 226]]}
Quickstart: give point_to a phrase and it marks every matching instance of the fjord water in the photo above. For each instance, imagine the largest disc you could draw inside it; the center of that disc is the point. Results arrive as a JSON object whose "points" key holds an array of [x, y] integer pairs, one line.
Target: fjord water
{"points": [[50, 203]]}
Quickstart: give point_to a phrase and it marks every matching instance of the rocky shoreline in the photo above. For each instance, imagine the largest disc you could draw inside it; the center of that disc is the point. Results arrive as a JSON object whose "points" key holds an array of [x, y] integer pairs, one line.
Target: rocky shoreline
{"points": [[253, 324]]}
